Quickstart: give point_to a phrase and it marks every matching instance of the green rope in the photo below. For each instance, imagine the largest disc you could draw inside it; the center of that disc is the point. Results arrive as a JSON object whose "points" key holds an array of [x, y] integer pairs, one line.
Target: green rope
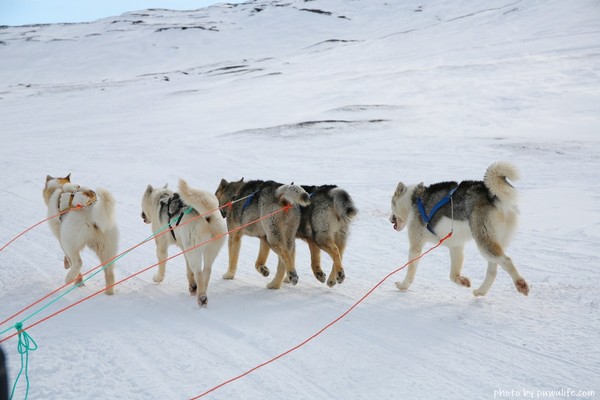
{"points": [[56, 299], [26, 344]]}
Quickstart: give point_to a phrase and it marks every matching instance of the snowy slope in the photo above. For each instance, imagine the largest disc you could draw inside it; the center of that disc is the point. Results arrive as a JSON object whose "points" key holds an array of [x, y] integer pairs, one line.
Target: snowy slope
{"points": [[358, 93]]}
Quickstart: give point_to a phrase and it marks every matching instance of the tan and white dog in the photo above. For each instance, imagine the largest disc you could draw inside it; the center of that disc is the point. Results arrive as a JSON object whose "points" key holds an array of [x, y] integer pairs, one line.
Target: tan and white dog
{"points": [[88, 219], [485, 211], [202, 228]]}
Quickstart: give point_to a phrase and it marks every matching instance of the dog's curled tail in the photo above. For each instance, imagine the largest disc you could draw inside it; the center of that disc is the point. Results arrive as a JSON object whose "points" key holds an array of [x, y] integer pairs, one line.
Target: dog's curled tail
{"points": [[292, 194], [343, 205], [103, 211], [496, 180]]}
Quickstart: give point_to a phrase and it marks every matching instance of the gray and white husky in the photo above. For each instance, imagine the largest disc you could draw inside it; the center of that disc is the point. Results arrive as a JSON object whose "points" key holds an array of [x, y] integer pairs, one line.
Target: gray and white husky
{"points": [[324, 225], [485, 211], [162, 207], [249, 202]]}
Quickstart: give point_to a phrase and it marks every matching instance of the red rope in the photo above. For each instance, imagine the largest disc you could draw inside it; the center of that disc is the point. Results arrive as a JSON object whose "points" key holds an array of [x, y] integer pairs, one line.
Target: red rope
{"points": [[33, 226], [146, 269], [105, 263], [329, 325]]}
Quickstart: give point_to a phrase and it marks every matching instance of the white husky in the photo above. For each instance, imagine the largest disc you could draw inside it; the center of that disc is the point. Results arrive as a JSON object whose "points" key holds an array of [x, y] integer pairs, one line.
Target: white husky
{"points": [[89, 219], [195, 219]]}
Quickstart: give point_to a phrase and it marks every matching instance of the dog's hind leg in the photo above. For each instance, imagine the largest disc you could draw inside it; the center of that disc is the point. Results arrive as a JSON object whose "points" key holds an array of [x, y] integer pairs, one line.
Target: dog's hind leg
{"points": [[194, 258], [74, 274], [493, 252], [191, 279], [234, 243], [490, 276], [337, 271], [106, 250], [279, 275], [456, 263], [315, 260], [261, 260]]}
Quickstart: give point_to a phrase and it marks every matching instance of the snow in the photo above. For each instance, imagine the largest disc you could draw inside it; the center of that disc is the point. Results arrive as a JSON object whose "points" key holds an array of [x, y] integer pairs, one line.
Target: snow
{"points": [[418, 91]]}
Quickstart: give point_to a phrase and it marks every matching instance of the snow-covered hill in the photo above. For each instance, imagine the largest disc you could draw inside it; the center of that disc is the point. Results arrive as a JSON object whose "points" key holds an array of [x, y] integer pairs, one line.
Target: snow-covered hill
{"points": [[360, 94]]}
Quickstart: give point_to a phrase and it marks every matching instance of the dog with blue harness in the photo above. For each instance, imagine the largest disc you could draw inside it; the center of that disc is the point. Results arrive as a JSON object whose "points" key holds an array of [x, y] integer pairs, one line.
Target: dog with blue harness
{"points": [[485, 211]]}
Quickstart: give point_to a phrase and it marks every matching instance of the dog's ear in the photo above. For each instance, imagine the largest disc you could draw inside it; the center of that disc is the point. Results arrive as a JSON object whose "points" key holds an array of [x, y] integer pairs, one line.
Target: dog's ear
{"points": [[421, 185], [68, 177], [149, 189], [223, 184], [400, 189], [166, 184], [241, 180], [48, 178]]}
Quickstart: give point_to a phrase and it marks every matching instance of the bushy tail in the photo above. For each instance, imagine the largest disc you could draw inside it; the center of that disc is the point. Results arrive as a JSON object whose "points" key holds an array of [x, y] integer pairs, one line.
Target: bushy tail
{"points": [[292, 194], [343, 205], [103, 210], [204, 203], [496, 179]]}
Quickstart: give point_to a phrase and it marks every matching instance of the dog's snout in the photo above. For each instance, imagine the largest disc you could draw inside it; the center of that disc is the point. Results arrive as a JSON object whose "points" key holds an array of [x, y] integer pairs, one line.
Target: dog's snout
{"points": [[145, 218]]}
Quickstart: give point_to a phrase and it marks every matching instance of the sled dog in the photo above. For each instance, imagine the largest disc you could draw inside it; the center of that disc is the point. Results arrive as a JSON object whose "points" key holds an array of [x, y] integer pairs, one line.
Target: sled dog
{"points": [[485, 211], [193, 218], [89, 220], [257, 199], [325, 225]]}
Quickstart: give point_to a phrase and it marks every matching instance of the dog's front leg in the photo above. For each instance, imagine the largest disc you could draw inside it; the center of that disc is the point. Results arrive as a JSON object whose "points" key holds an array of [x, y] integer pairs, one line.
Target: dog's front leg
{"points": [[234, 243], [456, 263], [161, 254], [414, 252]]}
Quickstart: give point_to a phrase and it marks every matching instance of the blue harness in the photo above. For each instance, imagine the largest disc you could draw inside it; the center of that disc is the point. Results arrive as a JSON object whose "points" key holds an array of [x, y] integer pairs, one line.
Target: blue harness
{"points": [[440, 204]]}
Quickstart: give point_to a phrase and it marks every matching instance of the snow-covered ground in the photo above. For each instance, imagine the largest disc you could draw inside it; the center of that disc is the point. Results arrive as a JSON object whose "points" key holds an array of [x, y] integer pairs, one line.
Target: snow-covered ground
{"points": [[361, 94]]}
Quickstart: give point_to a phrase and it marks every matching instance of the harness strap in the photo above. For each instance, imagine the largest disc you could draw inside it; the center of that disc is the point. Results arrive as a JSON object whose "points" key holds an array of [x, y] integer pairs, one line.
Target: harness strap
{"points": [[440, 204], [177, 198], [248, 201]]}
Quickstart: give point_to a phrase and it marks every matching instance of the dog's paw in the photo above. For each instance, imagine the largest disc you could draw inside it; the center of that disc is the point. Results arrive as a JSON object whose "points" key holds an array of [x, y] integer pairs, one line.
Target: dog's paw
{"points": [[109, 291], [203, 301], [522, 286], [228, 275], [341, 275], [462, 281], [402, 286], [293, 277], [320, 275], [263, 270], [479, 293], [158, 278], [331, 282], [273, 285]]}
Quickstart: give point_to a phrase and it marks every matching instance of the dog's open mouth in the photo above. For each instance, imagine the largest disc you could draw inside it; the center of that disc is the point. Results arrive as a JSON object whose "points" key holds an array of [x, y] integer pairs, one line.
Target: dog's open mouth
{"points": [[394, 222], [145, 218], [398, 223]]}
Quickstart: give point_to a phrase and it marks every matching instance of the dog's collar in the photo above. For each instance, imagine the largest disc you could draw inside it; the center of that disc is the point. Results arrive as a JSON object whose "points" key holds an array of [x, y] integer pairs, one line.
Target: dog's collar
{"points": [[426, 218]]}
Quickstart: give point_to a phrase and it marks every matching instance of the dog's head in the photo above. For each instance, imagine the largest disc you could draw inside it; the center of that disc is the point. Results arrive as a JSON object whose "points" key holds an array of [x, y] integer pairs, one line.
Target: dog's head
{"points": [[226, 192], [52, 184], [402, 204], [151, 201]]}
